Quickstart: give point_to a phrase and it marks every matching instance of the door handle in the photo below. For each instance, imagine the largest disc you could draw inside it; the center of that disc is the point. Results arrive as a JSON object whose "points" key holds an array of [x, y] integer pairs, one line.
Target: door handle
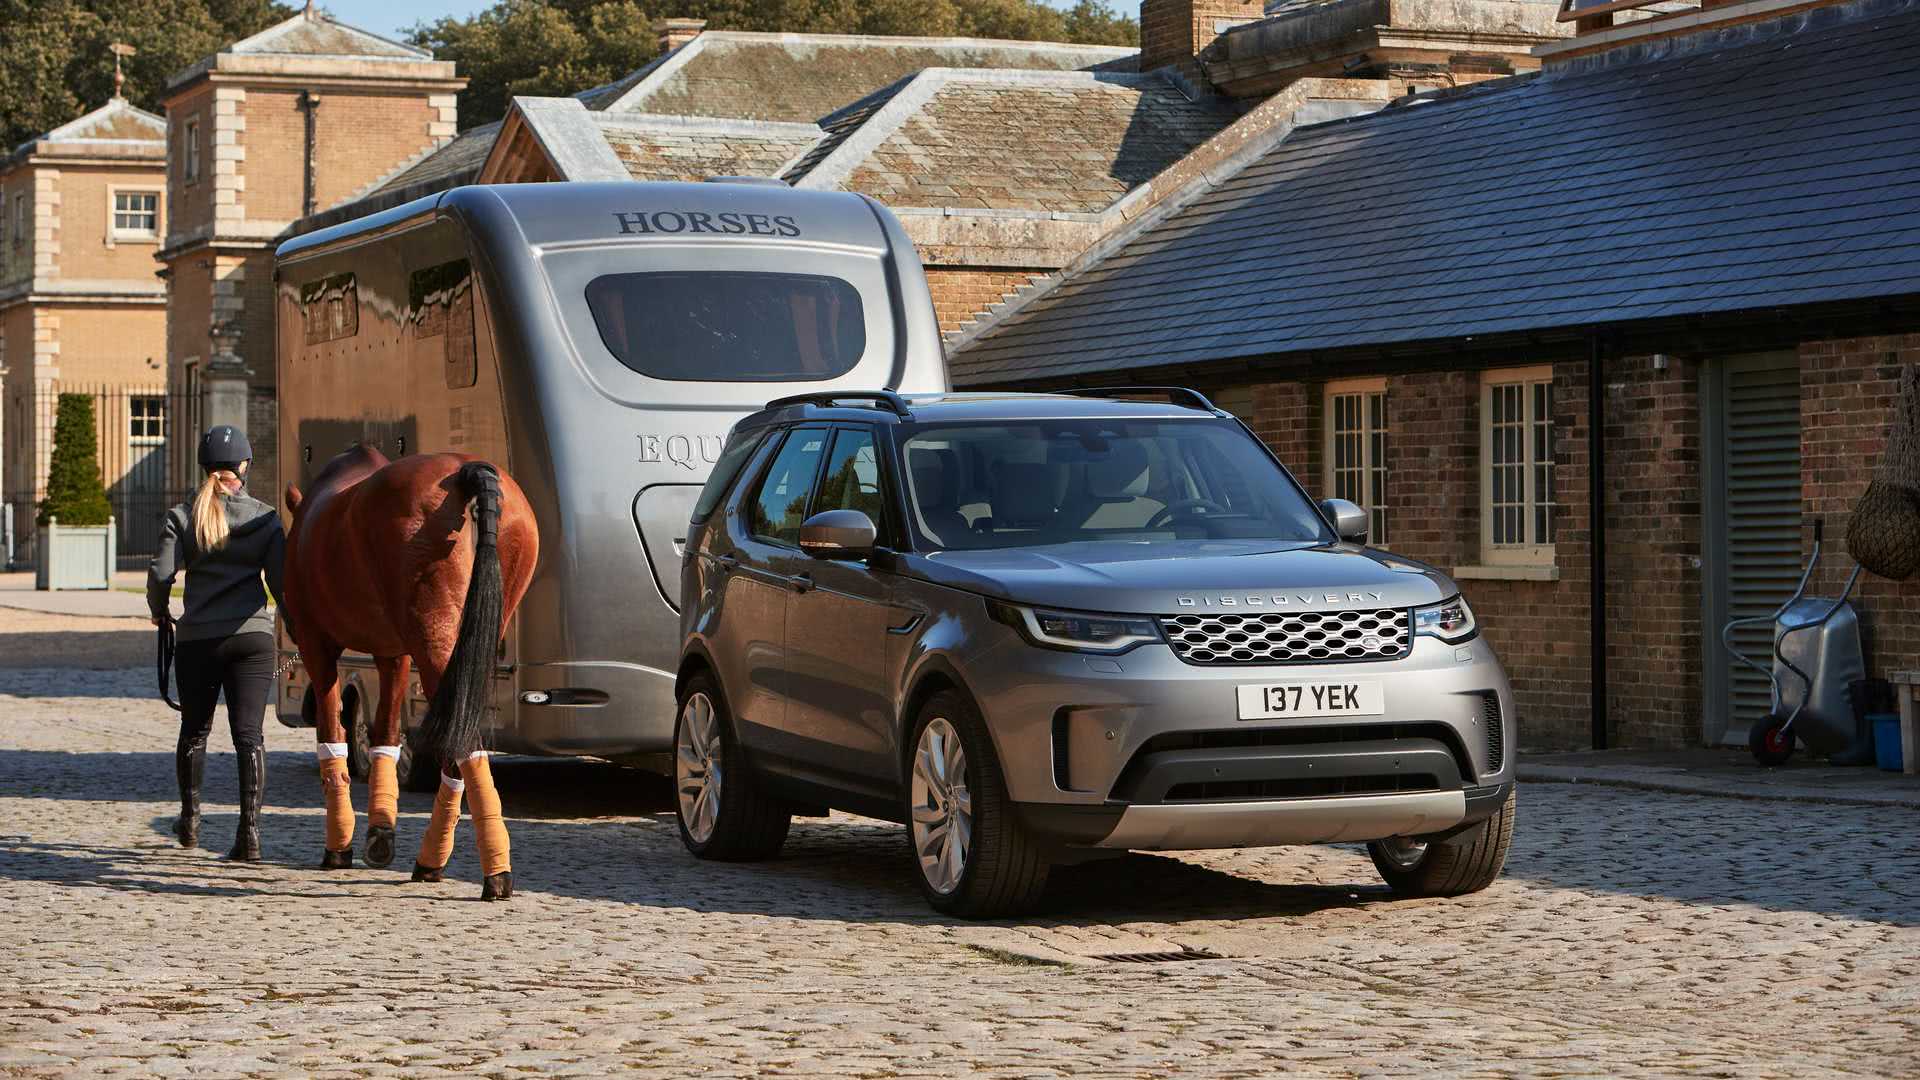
{"points": [[802, 582], [727, 563]]}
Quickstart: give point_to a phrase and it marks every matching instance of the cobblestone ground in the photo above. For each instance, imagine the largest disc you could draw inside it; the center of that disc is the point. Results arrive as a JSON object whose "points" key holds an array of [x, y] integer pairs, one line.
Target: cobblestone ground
{"points": [[1634, 934]]}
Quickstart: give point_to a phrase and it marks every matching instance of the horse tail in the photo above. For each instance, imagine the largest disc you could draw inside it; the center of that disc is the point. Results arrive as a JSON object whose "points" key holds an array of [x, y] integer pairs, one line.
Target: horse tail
{"points": [[457, 717]]}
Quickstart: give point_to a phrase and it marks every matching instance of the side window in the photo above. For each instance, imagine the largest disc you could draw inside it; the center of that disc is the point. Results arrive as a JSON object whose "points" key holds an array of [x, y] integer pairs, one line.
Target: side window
{"points": [[739, 450], [440, 308], [781, 504], [852, 480]]}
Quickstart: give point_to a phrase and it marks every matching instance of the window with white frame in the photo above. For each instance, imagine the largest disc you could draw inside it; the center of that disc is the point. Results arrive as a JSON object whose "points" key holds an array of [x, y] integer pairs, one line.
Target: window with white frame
{"points": [[1516, 467], [136, 215], [1356, 451], [190, 152]]}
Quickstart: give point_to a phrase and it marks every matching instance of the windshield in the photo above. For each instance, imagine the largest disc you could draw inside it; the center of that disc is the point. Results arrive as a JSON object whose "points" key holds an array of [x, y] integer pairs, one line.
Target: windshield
{"points": [[1004, 485]]}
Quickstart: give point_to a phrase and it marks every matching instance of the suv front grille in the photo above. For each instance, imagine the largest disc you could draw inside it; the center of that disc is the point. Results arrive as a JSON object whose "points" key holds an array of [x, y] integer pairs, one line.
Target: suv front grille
{"points": [[1290, 637]]}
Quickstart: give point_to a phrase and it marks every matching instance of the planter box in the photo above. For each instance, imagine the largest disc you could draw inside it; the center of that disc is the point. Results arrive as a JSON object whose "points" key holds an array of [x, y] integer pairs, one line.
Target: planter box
{"points": [[74, 556]]}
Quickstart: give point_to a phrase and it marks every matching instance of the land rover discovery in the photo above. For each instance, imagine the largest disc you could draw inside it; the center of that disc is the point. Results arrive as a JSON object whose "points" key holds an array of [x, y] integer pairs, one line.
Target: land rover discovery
{"points": [[1038, 627]]}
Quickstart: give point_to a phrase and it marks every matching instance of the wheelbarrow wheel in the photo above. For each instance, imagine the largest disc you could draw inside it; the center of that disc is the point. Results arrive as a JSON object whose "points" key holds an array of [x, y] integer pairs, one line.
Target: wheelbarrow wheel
{"points": [[1770, 742]]}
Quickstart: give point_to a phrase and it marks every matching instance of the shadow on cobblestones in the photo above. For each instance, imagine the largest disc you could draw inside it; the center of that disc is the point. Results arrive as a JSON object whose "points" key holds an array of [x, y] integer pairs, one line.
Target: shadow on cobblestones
{"points": [[80, 649]]}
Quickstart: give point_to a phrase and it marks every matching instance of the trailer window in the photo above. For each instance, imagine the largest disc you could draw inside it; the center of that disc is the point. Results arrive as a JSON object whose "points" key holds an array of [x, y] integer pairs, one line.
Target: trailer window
{"points": [[330, 308], [440, 308], [730, 326]]}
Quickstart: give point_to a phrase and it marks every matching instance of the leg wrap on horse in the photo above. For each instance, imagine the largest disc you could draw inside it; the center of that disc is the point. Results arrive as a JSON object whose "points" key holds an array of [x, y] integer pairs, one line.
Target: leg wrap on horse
{"points": [[436, 846], [337, 787], [483, 804], [383, 787]]}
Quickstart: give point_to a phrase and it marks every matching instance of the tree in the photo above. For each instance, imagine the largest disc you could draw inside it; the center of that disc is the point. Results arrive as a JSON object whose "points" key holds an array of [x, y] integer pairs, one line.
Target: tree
{"points": [[561, 47], [74, 492], [57, 65]]}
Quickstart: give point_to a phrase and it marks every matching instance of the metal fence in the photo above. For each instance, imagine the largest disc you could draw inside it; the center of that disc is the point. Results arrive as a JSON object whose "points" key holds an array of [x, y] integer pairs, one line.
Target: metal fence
{"points": [[132, 428]]}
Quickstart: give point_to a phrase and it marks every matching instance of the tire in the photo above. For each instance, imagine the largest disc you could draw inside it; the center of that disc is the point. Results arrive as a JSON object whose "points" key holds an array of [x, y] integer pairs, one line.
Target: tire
{"points": [[1001, 871], [353, 717], [1463, 863], [723, 810], [1771, 747], [414, 771]]}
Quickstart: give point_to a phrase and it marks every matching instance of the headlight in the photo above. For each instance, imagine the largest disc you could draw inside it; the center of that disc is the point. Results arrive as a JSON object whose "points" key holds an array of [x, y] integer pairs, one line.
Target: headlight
{"points": [[1076, 630], [1451, 622]]}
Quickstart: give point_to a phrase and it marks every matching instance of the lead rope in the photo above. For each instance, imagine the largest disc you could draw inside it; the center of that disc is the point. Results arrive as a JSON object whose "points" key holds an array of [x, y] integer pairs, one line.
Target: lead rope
{"points": [[164, 661]]}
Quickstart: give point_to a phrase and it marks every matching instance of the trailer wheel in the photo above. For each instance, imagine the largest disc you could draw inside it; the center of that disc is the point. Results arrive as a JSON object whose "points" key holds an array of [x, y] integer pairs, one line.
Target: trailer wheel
{"points": [[1770, 743]]}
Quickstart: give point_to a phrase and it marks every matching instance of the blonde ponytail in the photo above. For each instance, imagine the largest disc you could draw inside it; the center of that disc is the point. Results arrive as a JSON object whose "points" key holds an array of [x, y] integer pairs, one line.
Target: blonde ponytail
{"points": [[210, 511]]}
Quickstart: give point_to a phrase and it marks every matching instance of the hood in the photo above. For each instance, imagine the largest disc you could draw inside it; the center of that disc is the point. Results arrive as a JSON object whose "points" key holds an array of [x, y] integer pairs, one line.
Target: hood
{"points": [[1182, 577], [244, 512]]}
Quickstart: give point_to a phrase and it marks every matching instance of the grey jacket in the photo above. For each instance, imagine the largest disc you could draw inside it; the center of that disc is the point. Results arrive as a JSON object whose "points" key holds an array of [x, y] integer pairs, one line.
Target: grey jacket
{"points": [[224, 596]]}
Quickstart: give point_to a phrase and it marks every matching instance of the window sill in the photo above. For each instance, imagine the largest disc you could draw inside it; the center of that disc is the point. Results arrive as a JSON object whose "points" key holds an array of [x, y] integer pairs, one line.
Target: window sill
{"points": [[1506, 573]]}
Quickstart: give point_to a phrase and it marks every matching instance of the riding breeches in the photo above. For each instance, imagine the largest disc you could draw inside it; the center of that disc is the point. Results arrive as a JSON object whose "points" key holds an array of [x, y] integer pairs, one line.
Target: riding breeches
{"points": [[242, 666]]}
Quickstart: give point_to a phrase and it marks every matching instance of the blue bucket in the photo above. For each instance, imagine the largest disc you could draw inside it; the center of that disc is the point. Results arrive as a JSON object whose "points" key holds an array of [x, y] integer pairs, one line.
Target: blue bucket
{"points": [[1886, 741]]}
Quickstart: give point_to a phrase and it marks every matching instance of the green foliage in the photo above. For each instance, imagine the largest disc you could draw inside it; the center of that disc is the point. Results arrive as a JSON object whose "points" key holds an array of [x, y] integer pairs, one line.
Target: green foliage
{"points": [[57, 66], [74, 492], [561, 47]]}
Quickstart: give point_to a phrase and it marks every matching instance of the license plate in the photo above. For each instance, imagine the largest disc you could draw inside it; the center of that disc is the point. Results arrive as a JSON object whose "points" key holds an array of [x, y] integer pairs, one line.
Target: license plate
{"points": [[1276, 701]]}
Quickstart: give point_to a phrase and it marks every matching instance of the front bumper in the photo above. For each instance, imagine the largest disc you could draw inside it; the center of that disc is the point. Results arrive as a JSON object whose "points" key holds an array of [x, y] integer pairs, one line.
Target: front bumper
{"points": [[1146, 751]]}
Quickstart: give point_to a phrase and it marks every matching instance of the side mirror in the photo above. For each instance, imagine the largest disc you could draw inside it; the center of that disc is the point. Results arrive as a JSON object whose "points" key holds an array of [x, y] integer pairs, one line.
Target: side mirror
{"points": [[838, 534], [1350, 523]]}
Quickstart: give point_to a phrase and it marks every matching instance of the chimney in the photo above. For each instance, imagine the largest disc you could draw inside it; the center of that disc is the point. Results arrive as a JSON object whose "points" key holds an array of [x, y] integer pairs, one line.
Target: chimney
{"points": [[1175, 31], [674, 33]]}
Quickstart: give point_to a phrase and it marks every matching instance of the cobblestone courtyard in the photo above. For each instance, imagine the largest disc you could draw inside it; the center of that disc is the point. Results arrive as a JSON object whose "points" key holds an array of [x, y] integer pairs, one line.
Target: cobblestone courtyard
{"points": [[1635, 933]]}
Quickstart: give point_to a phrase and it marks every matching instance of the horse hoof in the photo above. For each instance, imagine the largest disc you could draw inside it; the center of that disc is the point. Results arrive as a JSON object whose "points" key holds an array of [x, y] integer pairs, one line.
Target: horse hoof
{"points": [[379, 846], [337, 860], [187, 830], [497, 886], [428, 873]]}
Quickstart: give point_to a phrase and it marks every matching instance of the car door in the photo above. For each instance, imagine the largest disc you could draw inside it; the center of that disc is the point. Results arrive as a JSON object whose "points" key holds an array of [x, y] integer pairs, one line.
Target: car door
{"points": [[760, 569], [839, 704]]}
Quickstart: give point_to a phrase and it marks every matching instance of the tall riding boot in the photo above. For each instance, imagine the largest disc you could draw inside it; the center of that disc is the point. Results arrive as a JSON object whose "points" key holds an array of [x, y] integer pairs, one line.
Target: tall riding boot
{"points": [[189, 764], [253, 777]]}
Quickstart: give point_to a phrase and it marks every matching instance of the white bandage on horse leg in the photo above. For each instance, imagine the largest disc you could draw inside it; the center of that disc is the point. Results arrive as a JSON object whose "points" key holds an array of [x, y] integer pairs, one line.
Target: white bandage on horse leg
{"points": [[387, 752], [454, 783], [327, 751]]}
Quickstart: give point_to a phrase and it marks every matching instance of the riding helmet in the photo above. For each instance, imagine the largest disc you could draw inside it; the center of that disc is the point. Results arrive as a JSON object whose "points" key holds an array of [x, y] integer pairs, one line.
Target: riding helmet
{"points": [[224, 447]]}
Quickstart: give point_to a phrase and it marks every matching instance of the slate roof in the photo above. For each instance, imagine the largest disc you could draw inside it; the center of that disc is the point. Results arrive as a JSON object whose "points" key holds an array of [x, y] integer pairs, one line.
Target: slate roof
{"points": [[319, 35], [458, 162], [1761, 165], [682, 148], [1069, 142], [801, 77], [118, 129]]}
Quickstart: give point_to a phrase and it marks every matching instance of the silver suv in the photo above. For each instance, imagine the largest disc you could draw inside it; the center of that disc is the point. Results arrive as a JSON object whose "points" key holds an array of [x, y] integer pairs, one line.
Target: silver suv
{"points": [[1039, 627]]}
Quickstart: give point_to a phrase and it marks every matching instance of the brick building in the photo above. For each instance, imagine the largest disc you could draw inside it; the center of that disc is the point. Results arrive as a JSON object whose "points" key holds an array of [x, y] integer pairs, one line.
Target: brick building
{"points": [[1603, 341], [81, 214], [301, 116]]}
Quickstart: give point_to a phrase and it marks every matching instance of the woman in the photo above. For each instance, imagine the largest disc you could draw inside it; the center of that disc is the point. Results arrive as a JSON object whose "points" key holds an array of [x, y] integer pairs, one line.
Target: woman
{"points": [[225, 540]]}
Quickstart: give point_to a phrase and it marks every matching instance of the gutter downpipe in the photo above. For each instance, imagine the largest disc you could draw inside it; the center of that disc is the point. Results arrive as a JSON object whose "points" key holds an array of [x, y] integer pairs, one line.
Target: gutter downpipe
{"points": [[1597, 529]]}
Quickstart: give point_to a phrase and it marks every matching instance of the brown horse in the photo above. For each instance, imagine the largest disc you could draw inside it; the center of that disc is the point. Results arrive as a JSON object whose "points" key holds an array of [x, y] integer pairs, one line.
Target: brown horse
{"points": [[380, 559]]}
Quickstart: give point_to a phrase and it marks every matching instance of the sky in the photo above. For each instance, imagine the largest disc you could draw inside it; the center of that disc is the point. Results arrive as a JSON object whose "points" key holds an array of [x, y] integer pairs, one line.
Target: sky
{"points": [[392, 18]]}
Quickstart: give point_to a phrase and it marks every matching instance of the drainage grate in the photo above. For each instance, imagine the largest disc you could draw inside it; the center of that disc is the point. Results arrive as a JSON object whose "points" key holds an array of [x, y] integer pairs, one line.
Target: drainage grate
{"points": [[1158, 957]]}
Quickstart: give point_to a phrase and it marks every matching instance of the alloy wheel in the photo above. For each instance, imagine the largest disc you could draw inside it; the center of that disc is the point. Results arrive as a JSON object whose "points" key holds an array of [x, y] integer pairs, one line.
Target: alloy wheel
{"points": [[697, 770], [942, 806], [1403, 852]]}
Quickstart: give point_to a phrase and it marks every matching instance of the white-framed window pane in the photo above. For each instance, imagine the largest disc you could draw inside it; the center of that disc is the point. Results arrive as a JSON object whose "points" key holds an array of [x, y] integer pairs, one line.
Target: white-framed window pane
{"points": [[1519, 466], [146, 419], [136, 211], [1357, 452]]}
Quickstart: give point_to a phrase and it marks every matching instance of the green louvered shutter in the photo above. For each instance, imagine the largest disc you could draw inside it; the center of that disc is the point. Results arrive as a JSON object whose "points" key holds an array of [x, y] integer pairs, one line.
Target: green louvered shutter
{"points": [[1762, 513]]}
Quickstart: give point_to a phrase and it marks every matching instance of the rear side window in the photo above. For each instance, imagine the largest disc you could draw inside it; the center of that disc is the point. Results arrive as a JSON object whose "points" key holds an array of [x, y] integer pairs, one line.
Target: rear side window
{"points": [[730, 326], [734, 458], [781, 505]]}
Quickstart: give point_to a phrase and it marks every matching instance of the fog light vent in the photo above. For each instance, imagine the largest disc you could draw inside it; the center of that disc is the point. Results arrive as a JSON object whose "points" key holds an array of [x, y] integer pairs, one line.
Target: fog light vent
{"points": [[1496, 738]]}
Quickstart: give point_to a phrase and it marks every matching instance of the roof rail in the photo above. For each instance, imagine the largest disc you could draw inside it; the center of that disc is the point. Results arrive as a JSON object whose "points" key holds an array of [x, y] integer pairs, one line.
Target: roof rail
{"points": [[887, 399], [1174, 394]]}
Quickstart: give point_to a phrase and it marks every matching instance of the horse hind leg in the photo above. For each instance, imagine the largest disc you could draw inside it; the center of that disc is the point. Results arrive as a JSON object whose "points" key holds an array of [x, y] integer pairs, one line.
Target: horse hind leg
{"points": [[330, 747], [489, 827], [383, 780], [436, 844]]}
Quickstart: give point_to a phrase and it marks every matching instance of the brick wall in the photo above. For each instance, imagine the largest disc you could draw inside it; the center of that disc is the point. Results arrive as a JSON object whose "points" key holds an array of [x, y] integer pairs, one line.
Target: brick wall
{"points": [[1540, 628], [961, 295], [1174, 31], [360, 137], [1848, 393], [117, 344], [190, 204], [85, 218]]}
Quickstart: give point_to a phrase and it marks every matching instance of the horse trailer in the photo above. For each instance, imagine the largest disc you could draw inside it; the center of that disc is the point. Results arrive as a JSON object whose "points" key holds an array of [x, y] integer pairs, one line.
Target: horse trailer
{"points": [[597, 341]]}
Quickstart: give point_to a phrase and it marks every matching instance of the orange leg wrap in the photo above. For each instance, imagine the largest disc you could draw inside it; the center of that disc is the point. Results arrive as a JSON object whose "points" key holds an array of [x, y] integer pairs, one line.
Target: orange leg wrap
{"points": [[436, 847], [483, 804], [383, 792], [338, 790]]}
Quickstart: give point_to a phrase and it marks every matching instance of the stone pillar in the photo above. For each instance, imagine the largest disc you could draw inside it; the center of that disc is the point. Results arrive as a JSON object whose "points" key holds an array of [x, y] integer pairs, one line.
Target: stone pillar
{"points": [[223, 385]]}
